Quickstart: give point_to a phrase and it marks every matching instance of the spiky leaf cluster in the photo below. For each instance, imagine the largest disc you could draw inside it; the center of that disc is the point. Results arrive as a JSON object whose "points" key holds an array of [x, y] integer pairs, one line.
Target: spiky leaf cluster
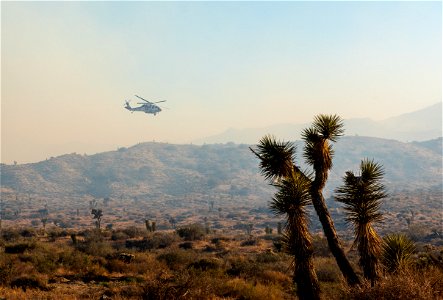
{"points": [[362, 195], [397, 252], [317, 151], [329, 127], [290, 200], [275, 157], [292, 195]]}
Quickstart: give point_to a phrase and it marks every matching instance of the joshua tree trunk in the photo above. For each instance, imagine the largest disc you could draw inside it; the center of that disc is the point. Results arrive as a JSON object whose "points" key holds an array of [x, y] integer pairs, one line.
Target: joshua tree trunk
{"points": [[320, 151], [331, 235], [306, 279]]}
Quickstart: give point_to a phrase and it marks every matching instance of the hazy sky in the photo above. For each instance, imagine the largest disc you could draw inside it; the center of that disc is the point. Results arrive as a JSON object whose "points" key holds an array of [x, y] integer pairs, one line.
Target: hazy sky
{"points": [[67, 68]]}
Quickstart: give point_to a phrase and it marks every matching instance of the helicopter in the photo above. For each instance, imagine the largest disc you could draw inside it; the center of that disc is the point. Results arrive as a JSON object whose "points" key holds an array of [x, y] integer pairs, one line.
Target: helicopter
{"points": [[147, 106]]}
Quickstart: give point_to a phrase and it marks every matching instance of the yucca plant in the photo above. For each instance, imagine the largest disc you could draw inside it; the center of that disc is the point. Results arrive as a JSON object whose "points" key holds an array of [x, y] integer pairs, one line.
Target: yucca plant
{"points": [[290, 200], [362, 196], [397, 250]]}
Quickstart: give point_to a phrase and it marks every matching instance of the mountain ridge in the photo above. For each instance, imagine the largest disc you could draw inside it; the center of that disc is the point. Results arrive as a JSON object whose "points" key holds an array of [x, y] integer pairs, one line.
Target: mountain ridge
{"points": [[420, 125]]}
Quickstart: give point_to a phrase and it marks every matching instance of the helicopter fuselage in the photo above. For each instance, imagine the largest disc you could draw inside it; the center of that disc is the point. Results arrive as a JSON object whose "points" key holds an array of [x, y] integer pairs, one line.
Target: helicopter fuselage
{"points": [[146, 108]]}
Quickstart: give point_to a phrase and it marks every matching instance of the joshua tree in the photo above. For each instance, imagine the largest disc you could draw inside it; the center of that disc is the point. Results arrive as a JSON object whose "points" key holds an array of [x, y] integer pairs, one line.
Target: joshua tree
{"points": [[290, 200], [173, 222], [93, 203], [361, 196], [249, 228], [44, 217], [276, 160], [97, 214], [318, 153], [150, 226]]}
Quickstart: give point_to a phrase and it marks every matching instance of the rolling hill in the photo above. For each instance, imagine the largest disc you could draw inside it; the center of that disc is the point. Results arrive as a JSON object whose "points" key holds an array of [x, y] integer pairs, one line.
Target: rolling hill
{"points": [[153, 169]]}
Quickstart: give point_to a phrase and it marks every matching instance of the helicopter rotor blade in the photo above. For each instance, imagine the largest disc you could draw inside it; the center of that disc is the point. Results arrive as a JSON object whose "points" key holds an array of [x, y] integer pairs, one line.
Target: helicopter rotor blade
{"points": [[160, 101], [142, 99]]}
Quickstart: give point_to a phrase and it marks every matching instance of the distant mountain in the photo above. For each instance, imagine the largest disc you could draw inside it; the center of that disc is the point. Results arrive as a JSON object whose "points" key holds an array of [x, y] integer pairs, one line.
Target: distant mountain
{"points": [[165, 170], [421, 125], [435, 145]]}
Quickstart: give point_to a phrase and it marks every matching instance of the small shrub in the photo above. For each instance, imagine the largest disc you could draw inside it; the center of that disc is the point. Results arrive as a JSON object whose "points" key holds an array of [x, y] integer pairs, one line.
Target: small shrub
{"points": [[320, 245], [191, 232], [156, 241], [10, 234], [327, 269], [205, 264], [29, 282], [267, 257], [116, 265], [250, 242], [275, 277], [186, 245], [55, 233], [218, 239], [75, 261], [176, 259], [397, 250], [242, 266], [94, 244], [28, 232], [118, 235], [238, 288], [19, 247], [133, 231]]}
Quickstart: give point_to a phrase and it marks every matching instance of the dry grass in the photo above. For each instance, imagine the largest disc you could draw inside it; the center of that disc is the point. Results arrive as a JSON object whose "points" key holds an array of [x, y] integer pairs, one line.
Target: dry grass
{"points": [[60, 269], [407, 284]]}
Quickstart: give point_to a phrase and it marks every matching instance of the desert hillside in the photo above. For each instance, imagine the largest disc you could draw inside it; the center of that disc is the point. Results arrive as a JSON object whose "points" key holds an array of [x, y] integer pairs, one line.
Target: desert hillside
{"points": [[150, 169]]}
